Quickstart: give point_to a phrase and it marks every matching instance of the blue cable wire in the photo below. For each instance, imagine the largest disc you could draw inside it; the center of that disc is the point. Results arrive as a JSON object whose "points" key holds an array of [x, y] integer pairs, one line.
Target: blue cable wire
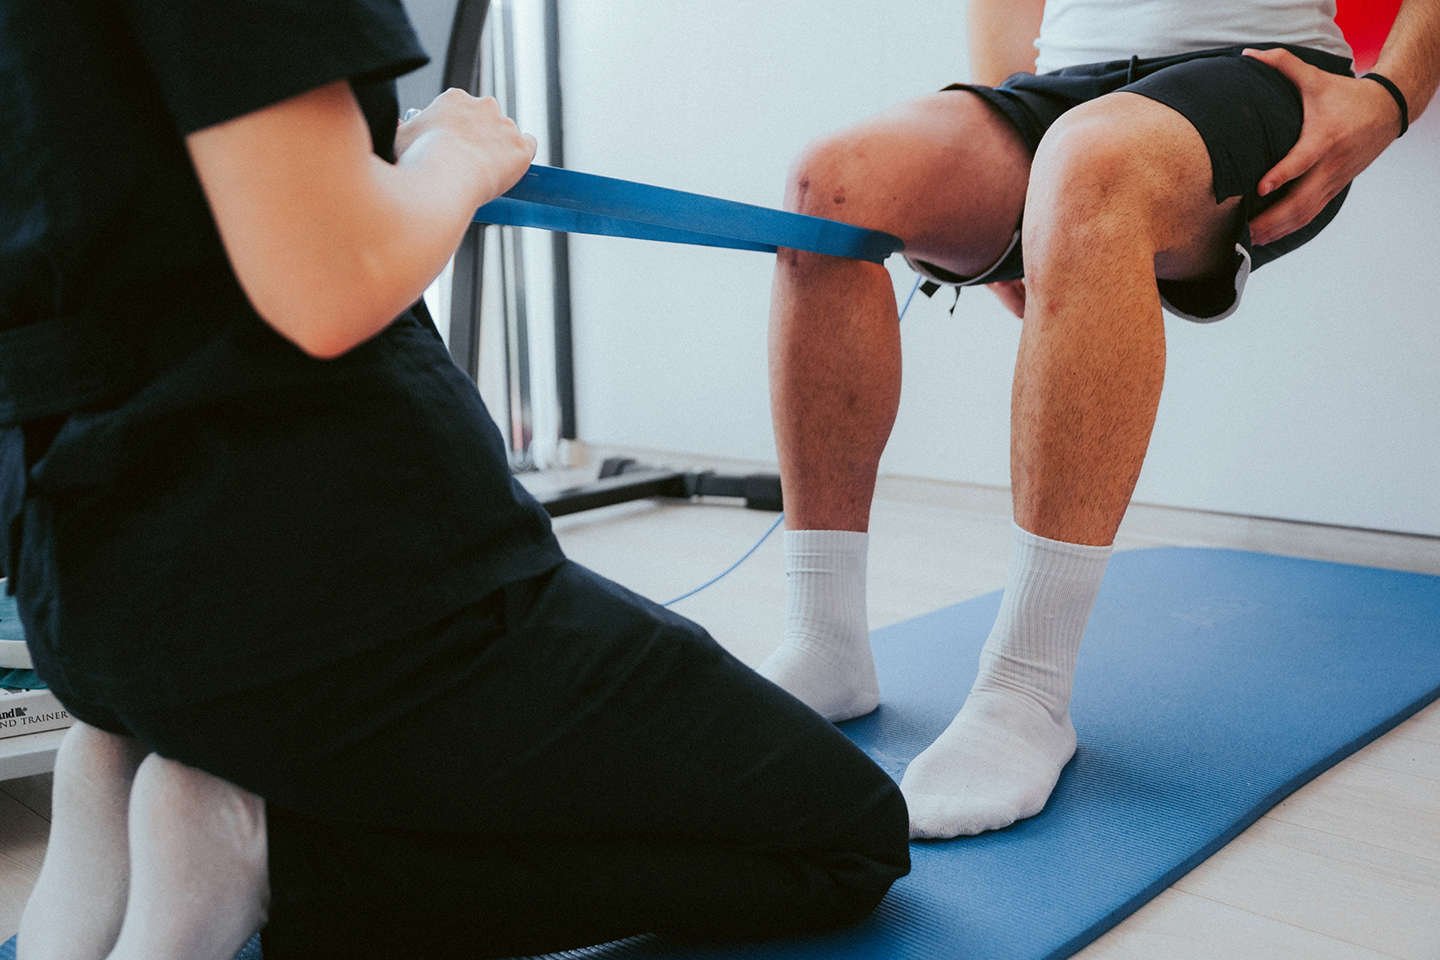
{"points": [[918, 280], [780, 519]]}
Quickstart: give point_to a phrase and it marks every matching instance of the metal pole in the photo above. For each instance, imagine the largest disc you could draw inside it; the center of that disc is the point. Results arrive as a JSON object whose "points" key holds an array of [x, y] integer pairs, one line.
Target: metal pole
{"points": [[462, 70], [517, 314], [564, 341]]}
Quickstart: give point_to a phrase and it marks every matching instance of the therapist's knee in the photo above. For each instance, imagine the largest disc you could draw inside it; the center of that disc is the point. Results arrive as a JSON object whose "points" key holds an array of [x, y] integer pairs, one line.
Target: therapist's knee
{"points": [[862, 875]]}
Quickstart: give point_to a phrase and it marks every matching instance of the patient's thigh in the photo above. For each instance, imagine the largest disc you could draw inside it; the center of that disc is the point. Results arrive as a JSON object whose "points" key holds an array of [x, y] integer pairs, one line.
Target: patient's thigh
{"points": [[945, 172]]}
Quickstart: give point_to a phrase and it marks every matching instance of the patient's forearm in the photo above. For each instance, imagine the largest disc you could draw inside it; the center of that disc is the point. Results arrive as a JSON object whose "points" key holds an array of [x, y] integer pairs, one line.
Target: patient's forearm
{"points": [[1411, 55], [1002, 38]]}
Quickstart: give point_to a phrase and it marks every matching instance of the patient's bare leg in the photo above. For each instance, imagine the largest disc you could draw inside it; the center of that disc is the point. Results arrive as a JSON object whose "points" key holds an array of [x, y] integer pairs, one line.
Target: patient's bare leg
{"points": [[947, 174], [1120, 193]]}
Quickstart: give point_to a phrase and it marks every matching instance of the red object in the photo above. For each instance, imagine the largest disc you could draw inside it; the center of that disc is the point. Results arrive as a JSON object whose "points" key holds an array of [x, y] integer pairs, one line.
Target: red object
{"points": [[1365, 24]]}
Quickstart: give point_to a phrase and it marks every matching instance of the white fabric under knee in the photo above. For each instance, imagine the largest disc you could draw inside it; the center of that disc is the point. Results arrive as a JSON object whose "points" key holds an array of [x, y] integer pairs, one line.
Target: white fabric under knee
{"points": [[825, 658], [999, 759]]}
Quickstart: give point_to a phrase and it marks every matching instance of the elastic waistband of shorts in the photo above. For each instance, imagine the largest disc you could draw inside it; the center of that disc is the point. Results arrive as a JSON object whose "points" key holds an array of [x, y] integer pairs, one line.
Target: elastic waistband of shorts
{"points": [[1329, 62]]}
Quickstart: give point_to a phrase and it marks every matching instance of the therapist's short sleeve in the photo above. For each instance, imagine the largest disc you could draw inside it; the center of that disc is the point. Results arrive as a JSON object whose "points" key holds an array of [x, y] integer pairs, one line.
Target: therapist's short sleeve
{"points": [[215, 60]]}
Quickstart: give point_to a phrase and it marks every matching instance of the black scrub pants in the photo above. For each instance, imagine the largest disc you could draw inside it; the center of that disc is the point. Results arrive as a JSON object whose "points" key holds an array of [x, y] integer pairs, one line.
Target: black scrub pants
{"points": [[563, 763]]}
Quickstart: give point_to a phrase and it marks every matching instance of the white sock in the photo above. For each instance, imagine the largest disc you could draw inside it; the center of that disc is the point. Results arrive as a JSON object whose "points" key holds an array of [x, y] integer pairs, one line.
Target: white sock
{"points": [[75, 910], [999, 759], [825, 658], [199, 878]]}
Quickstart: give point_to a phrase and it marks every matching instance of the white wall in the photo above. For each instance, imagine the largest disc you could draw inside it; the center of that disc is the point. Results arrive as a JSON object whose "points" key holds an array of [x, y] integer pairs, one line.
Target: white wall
{"points": [[1318, 401]]}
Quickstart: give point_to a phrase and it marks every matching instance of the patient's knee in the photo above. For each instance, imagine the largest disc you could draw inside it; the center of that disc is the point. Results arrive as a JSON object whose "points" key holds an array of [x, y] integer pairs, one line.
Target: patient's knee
{"points": [[1088, 166], [1091, 195], [834, 178]]}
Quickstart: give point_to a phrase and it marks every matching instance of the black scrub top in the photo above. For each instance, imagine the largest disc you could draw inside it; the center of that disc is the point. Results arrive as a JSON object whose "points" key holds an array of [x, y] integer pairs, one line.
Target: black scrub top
{"points": [[222, 510]]}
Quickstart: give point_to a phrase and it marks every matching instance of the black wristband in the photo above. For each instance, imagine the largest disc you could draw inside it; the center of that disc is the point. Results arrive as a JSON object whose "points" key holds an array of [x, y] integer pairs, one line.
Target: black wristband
{"points": [[1399, 99]]}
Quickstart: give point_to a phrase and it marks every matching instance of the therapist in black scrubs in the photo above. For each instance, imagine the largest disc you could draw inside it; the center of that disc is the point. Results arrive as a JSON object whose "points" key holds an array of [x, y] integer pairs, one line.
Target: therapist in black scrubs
{"points": [[327, 656]]}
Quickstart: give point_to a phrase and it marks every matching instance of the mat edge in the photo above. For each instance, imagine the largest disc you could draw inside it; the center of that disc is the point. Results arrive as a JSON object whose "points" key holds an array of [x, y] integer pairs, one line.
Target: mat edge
{"points": [[1272, 800]]}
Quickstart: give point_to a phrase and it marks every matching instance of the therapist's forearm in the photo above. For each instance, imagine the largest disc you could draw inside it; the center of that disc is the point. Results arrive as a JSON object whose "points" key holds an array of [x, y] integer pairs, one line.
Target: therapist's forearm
{"points": [[331, 243]]}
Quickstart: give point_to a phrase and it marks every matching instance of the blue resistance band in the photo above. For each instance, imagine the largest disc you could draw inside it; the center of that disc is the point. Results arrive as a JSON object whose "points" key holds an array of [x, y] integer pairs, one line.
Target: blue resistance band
{"points": [[552, 198]]}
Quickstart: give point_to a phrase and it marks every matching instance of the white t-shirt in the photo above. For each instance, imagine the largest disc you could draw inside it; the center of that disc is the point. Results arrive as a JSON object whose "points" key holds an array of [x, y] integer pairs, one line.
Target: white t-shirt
{"points": [[1093, 31]]}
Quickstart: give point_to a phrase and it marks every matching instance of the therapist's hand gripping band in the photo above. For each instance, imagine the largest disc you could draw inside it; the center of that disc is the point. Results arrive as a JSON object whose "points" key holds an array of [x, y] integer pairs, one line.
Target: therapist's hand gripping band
{"points": [[552, 198]]}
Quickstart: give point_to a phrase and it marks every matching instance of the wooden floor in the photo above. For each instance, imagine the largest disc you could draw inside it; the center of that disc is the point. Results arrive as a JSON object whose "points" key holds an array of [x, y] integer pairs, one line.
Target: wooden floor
{"points": [[1346, 868], [24, 826]]}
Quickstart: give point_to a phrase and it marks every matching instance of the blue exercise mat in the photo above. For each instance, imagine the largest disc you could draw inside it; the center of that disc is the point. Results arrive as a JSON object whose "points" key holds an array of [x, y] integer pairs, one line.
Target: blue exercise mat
{"points": [[251, 950], [552, 198], [1212, 683]]}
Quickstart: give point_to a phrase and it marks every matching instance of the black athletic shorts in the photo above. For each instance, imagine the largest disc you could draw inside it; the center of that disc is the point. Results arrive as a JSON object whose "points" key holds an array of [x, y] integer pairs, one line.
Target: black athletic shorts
{"points": [[1247, 112]]}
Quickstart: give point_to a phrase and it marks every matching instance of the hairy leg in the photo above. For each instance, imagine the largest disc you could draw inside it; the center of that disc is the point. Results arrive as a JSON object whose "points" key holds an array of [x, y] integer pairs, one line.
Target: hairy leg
{"points": [[947, 175], [1120, 193], [1092, 351], [78, 903]]}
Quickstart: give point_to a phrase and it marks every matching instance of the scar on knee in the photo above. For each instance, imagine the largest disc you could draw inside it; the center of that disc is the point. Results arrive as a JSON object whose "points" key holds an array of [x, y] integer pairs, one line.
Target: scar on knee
{"points": [[839, 197]]}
